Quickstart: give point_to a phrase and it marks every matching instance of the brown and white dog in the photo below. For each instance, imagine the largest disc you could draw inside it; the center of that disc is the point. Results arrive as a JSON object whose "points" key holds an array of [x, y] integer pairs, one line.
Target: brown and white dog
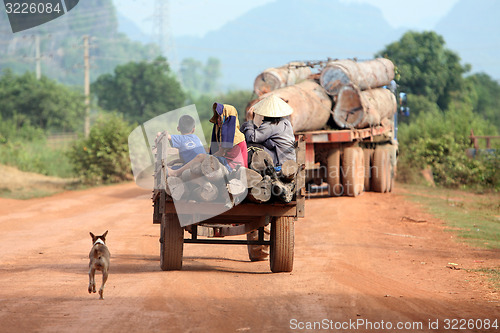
{"points": [[99, 260]]}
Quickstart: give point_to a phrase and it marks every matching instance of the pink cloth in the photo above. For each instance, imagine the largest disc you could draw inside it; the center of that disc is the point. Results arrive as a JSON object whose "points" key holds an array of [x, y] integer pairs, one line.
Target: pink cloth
{"points": [[237, 155]]}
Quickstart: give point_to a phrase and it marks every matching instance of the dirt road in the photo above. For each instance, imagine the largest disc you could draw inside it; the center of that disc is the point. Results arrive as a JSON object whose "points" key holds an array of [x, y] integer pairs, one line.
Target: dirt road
{"points": [[356, 261]]}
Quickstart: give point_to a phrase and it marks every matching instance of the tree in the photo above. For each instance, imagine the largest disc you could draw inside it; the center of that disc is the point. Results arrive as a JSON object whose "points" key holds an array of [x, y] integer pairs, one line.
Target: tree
{"points": [[487, 97], [200, 79], [426, 67], [42, 103], [140, 91]]}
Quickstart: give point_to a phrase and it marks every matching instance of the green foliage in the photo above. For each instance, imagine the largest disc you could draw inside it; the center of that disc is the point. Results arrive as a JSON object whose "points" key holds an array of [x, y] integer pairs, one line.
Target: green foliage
{"points": [[439, 140], [487, 93], [140, 91], [43, 103], [103, 157], [426, 67], [200, 79]]}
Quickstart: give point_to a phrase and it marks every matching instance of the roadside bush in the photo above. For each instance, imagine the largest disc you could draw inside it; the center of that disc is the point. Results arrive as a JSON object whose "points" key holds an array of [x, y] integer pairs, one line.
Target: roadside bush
{"points": [[103, 157]]}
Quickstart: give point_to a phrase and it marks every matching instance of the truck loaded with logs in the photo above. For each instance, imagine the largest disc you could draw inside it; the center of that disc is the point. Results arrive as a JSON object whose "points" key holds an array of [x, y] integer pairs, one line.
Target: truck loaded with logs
{"points": [[347, 114]]}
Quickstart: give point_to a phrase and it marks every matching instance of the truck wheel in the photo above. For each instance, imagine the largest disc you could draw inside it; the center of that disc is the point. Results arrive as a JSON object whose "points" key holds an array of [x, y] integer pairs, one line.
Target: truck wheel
{"points": [[379, 170], [282, 243], [352, 166], [360, 171], [391, 162], [368, 153], [172, 243], [333, 170]]}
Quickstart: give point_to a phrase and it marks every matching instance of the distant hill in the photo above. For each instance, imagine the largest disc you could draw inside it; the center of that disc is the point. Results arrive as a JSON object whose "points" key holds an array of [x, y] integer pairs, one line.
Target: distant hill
{"points": [[288, 30], [61, 44], [472, 29]]}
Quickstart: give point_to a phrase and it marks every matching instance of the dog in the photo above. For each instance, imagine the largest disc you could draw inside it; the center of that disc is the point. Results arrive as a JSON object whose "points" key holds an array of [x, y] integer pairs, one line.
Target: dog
{"points": [[99, 260]]}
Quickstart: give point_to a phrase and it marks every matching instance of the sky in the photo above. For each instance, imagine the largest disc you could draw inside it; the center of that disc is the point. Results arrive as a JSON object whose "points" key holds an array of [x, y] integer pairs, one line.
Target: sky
{"points": [[208, 15]]}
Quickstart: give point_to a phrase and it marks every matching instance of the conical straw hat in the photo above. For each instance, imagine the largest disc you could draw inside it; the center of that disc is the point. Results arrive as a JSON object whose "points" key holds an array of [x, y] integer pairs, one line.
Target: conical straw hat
{"points": [[272, 106]]}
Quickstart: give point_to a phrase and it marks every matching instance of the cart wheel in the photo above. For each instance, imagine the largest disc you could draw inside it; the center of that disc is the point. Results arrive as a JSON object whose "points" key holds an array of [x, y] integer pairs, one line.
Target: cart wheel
{"points": [[333, 170], [352, 167], [172, 243], [379, 170], [282, 243], [368, 153]]}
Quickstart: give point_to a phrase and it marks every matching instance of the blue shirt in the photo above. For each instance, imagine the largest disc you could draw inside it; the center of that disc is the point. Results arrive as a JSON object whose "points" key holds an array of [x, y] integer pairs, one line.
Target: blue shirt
{"points": [[189, 146]]}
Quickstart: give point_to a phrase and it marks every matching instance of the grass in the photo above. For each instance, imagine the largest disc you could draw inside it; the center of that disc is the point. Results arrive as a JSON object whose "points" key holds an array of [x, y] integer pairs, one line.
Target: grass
{"points": [[38, 157], [474, 217]]}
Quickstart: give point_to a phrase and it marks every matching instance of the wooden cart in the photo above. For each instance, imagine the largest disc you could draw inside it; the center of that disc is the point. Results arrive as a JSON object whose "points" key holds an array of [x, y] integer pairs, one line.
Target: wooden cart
{"points": [[239, 220]]}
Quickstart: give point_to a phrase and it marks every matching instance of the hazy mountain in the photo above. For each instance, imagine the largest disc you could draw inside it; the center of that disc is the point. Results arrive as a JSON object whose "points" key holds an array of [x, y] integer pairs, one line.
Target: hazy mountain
{"points": [[129, 28], [472, 29], [288, 30]]}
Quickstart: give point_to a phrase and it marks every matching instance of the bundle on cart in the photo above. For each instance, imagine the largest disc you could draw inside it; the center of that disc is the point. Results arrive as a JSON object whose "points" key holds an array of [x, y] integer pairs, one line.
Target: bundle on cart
{"points": [[210, 181]]}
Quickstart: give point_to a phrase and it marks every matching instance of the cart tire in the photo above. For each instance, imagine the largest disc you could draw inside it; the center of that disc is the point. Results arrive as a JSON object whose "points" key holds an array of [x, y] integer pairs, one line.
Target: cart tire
{"points": [[379, 170], [352, 166], [282, 244], [172, 243], [368, 153], [333, 173]]}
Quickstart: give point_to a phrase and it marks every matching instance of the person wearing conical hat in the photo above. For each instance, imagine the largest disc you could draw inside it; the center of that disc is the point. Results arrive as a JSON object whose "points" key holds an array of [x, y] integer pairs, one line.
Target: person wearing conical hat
{"points": [[271, 128]]}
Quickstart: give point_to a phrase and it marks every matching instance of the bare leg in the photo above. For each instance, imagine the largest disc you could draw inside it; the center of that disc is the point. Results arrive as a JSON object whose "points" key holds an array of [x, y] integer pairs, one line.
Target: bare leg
{"points": [[198, 159]]}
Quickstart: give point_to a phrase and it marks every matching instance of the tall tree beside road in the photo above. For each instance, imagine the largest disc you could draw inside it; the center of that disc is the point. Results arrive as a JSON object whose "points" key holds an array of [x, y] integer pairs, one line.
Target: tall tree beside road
{"points": [[426, 66], [200, 79], [140, 90]]}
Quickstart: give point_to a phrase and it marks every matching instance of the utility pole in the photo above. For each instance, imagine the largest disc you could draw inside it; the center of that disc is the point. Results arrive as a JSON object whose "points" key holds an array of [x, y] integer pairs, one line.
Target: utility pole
{"points": [[86, 66]]}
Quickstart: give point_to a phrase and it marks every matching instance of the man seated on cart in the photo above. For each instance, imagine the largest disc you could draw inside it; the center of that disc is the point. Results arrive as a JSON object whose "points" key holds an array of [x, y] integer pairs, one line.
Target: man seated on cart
{"points": [[271, 129]]}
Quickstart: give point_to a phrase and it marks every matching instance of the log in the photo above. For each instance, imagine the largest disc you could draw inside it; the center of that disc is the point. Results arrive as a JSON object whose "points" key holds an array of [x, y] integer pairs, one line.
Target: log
{"points": [[248, 177], [206, 192], [212, 169], [288, 170], [175, 188], [196, 169], [258, 162], [261, 192], [284, 192], [362, 109], [310, 102], [365, 75], [236, 187], [275, 78]]}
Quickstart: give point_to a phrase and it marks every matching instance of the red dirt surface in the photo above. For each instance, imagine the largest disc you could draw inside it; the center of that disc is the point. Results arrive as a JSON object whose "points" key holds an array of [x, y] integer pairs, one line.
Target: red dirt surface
{"points": [[355, 259]]}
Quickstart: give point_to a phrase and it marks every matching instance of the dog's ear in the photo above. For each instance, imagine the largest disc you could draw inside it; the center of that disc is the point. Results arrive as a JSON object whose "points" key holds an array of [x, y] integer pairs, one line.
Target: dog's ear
{"points": [[92, 235], [104, 234]]}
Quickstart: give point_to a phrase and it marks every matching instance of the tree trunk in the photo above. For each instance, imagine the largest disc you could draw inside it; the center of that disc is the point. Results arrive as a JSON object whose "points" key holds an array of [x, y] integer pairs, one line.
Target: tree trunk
{"points": [[248, 177], [364, 75], [275, 78], [261, 192], [362, 109], [288, 170], [259, 159], [311, 105]]}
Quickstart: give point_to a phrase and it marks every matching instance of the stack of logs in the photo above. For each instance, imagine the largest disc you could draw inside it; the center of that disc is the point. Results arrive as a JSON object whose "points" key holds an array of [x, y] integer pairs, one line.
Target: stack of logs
{"points": [[348, 91], [210, 181]]}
